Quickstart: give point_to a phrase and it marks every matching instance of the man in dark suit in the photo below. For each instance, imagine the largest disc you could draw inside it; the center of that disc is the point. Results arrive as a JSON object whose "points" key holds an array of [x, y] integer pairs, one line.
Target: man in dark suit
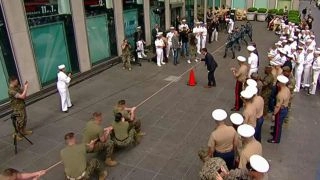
{"points": [[211, 67], [154, 33]]}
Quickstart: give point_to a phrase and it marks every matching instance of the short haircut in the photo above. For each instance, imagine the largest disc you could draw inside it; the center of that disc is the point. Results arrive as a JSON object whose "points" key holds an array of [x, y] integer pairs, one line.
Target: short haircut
{"points": [[117, 117], [12, 78], [96, 114], [204, 49], [68, 136], [122, 102], [9, 172]]}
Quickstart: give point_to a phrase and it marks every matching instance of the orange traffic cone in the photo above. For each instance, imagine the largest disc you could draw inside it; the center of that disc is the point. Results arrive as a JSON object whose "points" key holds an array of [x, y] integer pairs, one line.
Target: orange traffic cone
{"points": [[192, 79]]}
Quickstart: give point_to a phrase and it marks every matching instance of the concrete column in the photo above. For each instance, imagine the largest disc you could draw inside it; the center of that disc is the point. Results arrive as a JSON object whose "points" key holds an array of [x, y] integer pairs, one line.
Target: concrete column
{"points": [[183, 13], [118, 16], [80, 31], [295, 4], [167, 14], [250, 3], [18, 31], [229, 3], [195, 10], [272, 4], [147, 29], [205, 7]]}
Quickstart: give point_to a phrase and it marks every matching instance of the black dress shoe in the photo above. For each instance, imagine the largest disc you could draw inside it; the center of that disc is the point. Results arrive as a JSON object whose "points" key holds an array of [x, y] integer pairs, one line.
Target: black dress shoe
{"points": [[272, 141], [66, 111]]}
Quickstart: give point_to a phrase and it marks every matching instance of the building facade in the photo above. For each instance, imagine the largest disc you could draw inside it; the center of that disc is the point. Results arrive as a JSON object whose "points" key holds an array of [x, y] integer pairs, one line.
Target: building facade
{"points": [[38, 35]]}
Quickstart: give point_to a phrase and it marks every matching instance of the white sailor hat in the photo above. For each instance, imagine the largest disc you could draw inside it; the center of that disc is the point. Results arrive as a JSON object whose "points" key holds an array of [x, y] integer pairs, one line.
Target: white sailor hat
{"points": [[251, 48], [310, 48], [298, 30], [252, 89], [307, 30], [317, 52], [236, 118], [274, 63], [284, 41], [245, 130], [198, 22], [302, 42], [172, 28], [318, 49], [183, 20], [312, 36], [246, 94], [62, 66], [281, 50], [294, 47], [139, 27], [282, 37], [270, 55], [295, 37], [309, 40], [259, 163], [278, 43], [251, 82], [159, 34], [219, 114], [283, 79], [241, 59], [303, 30], [290, 39], [300, 48]]}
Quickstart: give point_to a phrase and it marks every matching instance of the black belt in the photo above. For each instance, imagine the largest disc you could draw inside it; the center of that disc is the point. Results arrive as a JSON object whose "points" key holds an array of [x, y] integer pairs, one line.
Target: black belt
{"points": [[121, 140]]}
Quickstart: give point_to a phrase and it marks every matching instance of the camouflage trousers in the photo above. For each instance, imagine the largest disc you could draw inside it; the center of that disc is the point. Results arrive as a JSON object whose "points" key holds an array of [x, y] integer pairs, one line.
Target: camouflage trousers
{"points": [[93, 168], [126, 61], [21, 118], [104, 147], [131, 139], [136, 124]]}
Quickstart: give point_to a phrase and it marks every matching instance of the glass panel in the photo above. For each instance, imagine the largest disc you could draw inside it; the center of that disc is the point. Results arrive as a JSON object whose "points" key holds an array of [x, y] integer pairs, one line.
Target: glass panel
{"points": [[52, 36], [200, 9], [98, 38], [217, 3], [190, 12], [100, 30], [239, 4], [284, 3], [130, 20], [157, 15], [49, 44], [3, 79], [210, 3], [261, 3]]}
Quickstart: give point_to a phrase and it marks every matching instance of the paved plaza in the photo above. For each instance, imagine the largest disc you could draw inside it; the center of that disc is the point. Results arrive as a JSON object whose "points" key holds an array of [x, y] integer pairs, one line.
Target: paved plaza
{"points": [[177, 120]]}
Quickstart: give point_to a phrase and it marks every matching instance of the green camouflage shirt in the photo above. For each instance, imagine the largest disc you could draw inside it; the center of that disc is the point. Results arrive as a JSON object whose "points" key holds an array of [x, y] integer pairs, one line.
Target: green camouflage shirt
{"points": [[17, 104]]}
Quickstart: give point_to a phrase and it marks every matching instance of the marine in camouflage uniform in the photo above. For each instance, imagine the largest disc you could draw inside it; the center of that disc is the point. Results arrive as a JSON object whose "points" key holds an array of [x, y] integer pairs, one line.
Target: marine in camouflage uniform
{"points": [[123, 135], [75, 161], [128, 114], [249, 30], [230, 45], [17, 97], [212, 165], [103, 144], [267, 88], [126, 54]]}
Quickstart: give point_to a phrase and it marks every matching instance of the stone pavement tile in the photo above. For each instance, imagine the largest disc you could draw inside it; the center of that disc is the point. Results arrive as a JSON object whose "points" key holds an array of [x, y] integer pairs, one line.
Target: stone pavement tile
{"points": [[192, 173], [41, 145], [146, 144], [119, 172], [152, 162], [129, 156], [175, 169], [140, 174], [163, 177], [22, 160], [55, 173], [164, 149], [154, 132]]}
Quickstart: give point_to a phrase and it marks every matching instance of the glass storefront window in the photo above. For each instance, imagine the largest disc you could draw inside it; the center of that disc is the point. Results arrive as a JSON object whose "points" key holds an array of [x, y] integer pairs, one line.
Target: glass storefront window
{"points": [[133, 16], [190, 12], [100, 30], [157, 15], [52, 36], [7, 63]]}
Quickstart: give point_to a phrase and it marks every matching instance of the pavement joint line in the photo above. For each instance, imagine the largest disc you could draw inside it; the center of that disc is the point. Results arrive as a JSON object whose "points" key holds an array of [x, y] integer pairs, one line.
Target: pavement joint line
{"points": [[140, 104]]}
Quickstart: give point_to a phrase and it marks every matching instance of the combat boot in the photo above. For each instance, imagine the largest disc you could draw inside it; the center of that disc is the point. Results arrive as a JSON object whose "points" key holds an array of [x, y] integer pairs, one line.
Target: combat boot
{"points": [[26, 132], [110, 162], [17, 136], [103, 175]]}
